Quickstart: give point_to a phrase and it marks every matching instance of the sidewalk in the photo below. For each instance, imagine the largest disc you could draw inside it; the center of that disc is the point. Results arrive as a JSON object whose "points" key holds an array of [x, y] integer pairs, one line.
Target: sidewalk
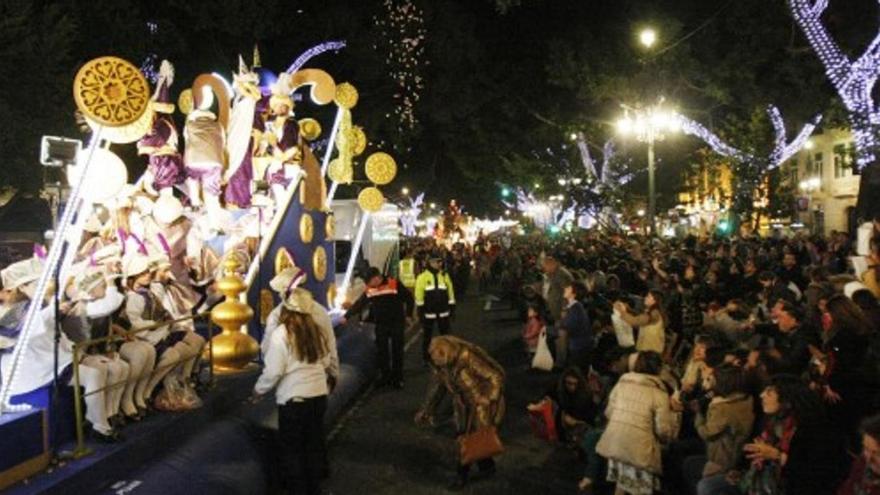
{"points": [[376, 448]]}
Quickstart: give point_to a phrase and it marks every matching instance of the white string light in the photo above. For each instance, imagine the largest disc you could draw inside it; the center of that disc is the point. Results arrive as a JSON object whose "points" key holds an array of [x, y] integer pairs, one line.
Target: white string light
{"points": [[853, 79], [51, 263]]}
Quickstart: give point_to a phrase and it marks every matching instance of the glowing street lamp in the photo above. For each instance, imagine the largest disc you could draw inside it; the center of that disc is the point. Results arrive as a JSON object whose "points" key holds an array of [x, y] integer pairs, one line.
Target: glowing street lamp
{"points": [[647, 37], [404, 191], [649, 125]]}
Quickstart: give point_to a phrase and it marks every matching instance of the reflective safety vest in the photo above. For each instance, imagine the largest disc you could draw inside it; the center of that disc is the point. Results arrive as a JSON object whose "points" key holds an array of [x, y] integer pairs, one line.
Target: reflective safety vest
{"points": [[434, 294], [408, 272], [389, 288]]}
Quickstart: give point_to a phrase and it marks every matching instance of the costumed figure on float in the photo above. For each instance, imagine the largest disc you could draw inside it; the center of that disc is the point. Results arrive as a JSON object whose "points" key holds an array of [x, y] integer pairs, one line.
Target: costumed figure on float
{"points": [[165, 166], [245, 131], [282, 136]]}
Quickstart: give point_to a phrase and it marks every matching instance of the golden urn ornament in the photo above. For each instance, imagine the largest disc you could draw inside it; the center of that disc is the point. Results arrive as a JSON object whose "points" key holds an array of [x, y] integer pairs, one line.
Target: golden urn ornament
{"points": [[232, 349]]}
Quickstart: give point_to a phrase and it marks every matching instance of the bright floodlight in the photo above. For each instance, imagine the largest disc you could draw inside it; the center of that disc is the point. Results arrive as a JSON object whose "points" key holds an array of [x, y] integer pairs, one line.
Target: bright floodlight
{"points": [[648, 37], [659, 120], [561, 182], [573, 136], [624, 125]]}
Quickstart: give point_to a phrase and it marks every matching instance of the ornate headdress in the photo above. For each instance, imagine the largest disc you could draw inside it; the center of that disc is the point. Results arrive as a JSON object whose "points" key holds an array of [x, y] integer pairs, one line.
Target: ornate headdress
{"points": [[162, 97], [281, 92]]}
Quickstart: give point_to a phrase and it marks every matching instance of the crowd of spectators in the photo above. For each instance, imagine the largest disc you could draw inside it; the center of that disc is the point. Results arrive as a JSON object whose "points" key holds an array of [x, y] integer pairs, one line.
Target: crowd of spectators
{"points": [[707, 366]]}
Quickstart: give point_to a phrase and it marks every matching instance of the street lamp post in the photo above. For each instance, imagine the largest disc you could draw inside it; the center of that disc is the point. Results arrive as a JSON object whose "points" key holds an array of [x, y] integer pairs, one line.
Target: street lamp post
{"points": [[648, 125]]}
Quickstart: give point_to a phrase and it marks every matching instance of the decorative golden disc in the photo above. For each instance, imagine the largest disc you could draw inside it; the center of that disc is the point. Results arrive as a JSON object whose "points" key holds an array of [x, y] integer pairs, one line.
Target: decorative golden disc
{"points": [[381, 168], [185, 101], [127, 133], [346, 95], [357, 140], [331, 295], [310, 129], [111, 91], [371, 199], [340, 172], [330, 227], [306, 228], [319, 263], [283, 260]]}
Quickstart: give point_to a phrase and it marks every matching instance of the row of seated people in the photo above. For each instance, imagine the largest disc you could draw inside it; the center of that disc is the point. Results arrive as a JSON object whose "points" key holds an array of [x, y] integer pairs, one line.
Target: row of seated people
{"points": [[142, 261]]}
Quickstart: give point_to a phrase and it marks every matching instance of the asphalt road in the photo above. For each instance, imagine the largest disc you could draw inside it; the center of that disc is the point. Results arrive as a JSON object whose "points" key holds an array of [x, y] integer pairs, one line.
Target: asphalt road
{"points": [[376, 448]]}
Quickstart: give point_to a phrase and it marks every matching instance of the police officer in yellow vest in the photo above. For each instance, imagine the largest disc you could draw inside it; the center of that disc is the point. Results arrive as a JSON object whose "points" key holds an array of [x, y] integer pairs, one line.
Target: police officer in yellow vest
{"points": [[408, 272], [435, 301]]}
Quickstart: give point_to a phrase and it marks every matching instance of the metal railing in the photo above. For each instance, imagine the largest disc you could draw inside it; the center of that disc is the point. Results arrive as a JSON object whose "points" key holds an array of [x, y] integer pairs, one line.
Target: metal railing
{"points": [[116, 336]]}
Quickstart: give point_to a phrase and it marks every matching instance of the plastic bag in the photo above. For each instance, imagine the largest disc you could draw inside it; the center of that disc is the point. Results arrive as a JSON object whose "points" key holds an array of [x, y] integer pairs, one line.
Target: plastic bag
{"points": [[543, 360]]}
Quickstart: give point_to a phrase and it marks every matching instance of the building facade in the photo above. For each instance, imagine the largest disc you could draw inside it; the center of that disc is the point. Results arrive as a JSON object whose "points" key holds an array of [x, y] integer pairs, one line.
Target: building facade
{"points": [[823, 179]]}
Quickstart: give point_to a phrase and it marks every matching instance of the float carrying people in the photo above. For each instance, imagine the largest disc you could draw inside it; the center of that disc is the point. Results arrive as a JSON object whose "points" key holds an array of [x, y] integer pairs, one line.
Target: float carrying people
{"points": [[390, 304], [435, 301]]}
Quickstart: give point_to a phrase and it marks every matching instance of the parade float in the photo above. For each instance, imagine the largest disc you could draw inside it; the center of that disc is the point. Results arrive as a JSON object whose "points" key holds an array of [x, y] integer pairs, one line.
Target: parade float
{"points": [[234, 197]]}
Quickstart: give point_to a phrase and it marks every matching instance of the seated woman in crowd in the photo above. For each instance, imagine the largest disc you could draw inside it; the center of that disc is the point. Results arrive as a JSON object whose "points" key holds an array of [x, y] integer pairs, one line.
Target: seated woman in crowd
{"points": [[798, 450], [576, 400], [864, 476], [725, 427], [640, 421]]}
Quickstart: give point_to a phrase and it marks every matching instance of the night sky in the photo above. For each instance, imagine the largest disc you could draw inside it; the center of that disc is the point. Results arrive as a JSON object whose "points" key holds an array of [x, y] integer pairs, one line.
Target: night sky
{"points": [[466, 94]]}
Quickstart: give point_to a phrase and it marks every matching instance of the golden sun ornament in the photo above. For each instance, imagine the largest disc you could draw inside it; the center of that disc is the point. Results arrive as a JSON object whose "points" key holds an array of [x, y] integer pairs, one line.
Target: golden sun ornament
{"points": [[357, 139], [330, 227], [306, 228], [319, 263], [111, 91], [381, 168], [340, 172], [185, 101], [346, 95], [310, 129], [371, 199]]}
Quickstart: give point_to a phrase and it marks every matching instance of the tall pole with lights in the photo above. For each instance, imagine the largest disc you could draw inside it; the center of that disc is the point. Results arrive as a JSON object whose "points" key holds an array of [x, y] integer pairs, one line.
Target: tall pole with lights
{"points": [[648, 125]]}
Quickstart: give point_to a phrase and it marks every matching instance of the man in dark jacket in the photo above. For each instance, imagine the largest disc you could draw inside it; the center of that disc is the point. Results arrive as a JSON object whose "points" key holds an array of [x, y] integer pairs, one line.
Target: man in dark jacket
{"points": [[389, 303], [791, 342]]}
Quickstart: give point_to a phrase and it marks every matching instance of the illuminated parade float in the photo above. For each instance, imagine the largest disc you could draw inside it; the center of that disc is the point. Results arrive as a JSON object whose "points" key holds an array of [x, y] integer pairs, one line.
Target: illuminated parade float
{"points": [[240, 192]]}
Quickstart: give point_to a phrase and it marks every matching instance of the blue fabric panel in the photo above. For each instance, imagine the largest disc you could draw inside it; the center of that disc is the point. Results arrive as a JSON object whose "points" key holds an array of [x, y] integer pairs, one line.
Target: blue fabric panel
{"points": [[21, 437]]}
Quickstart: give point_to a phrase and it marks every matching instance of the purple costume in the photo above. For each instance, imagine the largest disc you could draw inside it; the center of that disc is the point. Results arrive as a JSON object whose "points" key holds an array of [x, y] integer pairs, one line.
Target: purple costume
{"points": [[238, 187], [160, 144], [284, 150]]}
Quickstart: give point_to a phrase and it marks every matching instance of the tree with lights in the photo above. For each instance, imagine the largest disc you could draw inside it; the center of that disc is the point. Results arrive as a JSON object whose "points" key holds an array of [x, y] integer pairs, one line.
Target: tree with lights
{"points": [[756, 180], [854, 80]]}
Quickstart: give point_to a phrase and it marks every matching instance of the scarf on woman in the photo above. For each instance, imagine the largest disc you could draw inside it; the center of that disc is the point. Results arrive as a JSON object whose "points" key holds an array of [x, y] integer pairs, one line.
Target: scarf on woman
{"points": [[765, 477]]}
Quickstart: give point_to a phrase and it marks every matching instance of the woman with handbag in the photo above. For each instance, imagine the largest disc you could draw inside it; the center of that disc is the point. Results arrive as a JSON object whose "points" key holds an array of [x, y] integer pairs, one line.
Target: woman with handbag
{"points": [[475, 382]]}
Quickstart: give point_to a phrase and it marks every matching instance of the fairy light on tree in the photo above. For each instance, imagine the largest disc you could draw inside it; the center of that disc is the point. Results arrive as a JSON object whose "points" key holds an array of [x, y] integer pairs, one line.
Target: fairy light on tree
{"points": [[753, 179], [403, 32], [853, 79], [782, 149]]}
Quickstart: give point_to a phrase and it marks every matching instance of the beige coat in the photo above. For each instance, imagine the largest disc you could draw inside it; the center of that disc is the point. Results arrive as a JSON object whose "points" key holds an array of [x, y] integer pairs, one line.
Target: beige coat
{"points": [[639, 422], [726, 427], [651, 330]]}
